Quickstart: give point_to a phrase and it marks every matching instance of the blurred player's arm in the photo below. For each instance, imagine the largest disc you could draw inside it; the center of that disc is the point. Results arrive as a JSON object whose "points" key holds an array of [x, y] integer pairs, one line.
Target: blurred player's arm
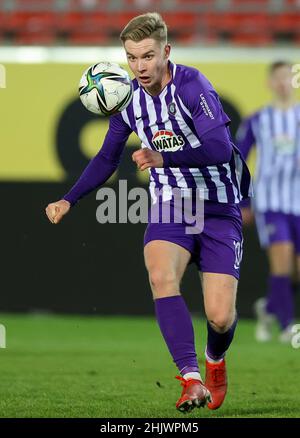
{"points": [[245, 141], [97, 172]]}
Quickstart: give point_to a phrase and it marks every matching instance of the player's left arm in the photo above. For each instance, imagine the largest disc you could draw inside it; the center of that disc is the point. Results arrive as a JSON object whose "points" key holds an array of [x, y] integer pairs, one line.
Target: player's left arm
{"points": [[216, 149]]}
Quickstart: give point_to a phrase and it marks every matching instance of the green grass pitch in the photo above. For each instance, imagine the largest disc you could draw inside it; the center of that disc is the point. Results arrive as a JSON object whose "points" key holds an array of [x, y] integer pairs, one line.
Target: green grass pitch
{"points": [[119, 367]]}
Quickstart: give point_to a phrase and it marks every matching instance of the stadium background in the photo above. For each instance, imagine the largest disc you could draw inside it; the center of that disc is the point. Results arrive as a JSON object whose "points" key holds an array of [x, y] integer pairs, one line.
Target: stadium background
{"points": [[47, 138]]}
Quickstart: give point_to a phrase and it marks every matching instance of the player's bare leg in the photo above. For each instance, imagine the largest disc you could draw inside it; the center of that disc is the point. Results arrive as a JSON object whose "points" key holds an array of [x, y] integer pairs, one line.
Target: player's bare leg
{"points": [[279, 300], [166, 263], [219, 292]]}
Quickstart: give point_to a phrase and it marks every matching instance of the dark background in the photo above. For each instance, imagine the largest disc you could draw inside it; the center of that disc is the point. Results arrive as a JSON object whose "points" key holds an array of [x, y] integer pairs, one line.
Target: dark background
{"points": [[82, 266]]}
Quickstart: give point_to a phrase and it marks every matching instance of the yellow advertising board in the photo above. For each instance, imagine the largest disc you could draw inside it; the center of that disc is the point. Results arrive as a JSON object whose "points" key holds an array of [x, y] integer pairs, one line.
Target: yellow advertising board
{"points": [[37, 97]]}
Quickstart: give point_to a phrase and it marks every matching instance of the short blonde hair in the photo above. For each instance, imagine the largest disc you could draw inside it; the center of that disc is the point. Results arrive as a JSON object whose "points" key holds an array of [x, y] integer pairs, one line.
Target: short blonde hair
{"points": [[149, 25]]}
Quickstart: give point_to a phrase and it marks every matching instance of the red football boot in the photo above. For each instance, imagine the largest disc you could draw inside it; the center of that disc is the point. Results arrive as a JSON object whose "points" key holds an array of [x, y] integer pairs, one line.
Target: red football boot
{"points": [[194, 394], [216, 383]]}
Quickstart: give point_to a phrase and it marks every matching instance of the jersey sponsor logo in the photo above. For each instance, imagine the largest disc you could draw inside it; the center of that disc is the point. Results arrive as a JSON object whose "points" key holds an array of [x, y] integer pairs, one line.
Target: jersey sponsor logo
{"points": [[207, 111], [238, 249], [167, 141]]}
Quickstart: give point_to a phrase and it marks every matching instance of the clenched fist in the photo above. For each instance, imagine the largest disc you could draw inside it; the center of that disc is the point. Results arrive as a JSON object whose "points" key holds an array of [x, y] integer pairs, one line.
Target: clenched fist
{"points": [[56, 210], [145, 158]]}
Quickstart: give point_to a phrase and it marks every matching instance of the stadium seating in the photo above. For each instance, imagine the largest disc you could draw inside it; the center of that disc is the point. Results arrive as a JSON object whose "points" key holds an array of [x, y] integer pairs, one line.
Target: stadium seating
{"points": [[190, 21]]}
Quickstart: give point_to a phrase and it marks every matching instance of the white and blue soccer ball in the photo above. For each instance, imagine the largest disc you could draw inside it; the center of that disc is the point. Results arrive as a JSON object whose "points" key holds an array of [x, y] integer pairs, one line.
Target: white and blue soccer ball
{"points": [[105, 88]]}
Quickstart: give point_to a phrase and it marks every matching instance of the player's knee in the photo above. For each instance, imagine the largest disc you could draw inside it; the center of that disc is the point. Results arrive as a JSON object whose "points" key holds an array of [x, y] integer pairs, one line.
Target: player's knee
{"points": [[282, 271], [281, 258], [282, 267], [163, 283], [221, 323]]}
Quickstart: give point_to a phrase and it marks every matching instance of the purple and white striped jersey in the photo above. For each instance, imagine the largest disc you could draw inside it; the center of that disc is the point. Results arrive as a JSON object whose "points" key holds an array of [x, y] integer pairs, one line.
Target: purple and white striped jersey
{"points": [[187, 108], [276, 134]]}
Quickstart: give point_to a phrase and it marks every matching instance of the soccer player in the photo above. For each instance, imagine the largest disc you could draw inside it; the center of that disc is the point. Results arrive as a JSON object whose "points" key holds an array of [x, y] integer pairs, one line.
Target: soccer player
{"points": [[275, 130], [180, 102]]}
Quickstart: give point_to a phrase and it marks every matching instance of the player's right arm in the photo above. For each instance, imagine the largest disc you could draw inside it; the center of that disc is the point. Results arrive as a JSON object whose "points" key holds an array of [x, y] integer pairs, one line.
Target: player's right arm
{"points": [[97, 172]]}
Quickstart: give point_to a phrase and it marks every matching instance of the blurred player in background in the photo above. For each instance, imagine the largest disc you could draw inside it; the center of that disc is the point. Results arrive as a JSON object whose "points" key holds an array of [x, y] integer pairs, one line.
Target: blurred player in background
{"points": [[275, 130], [180, 102]]}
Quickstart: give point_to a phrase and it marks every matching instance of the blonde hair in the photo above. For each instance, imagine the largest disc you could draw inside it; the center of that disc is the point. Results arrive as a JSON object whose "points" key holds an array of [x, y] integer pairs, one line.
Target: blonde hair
{"points": [[149, 25]]}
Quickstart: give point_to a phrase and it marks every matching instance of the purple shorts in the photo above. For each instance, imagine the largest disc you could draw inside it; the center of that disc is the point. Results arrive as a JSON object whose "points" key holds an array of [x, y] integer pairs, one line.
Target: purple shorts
{"points": [[217, 248], [278, 227]]}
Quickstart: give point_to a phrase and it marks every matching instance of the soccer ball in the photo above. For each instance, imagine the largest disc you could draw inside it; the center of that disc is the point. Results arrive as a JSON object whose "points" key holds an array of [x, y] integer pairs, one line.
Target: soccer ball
{"points": [[105, 88]]}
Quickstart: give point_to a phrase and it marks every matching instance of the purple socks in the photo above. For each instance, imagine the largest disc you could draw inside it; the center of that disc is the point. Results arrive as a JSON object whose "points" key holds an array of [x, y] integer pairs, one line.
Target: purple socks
{"points": [[176, 327], [218, 343], [280, 299]]}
